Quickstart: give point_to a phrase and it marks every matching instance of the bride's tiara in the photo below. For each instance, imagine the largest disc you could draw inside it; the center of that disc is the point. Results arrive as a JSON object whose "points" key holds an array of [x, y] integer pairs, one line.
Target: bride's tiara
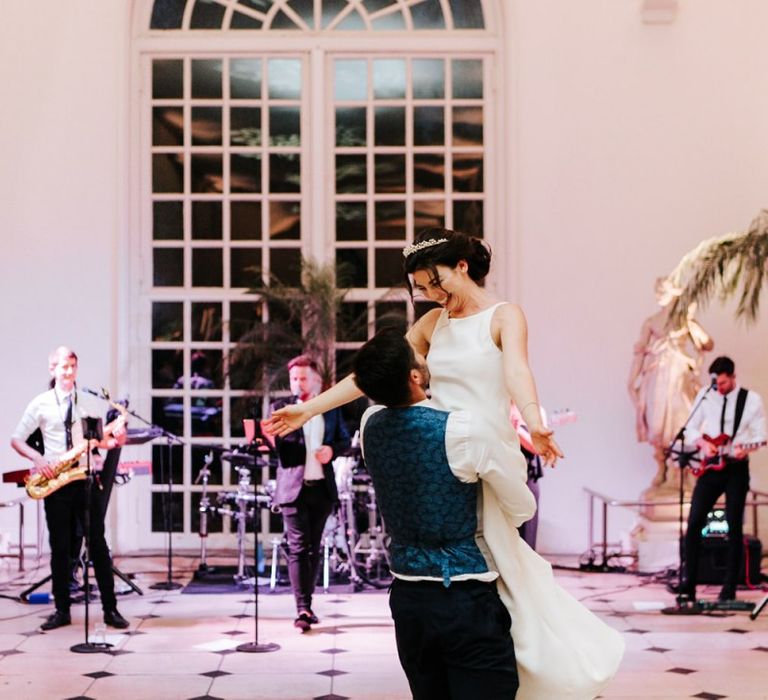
{"points": [[415, 247]]}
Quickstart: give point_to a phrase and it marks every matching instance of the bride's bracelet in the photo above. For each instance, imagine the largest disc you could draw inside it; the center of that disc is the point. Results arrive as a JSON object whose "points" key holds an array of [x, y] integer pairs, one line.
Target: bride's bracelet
{"points": [[530, 403]]}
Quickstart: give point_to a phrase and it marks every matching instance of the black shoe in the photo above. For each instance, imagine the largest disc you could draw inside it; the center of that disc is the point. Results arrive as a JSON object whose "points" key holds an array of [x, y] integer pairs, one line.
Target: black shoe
{"points": [[304, 621], [727, 592], [312, 618], [59, 619], [115, 619], [682, 589]]}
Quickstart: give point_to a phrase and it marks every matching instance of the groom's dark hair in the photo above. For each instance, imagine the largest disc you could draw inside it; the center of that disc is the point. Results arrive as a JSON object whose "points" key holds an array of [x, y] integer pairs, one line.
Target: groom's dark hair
{"points": [[382, 367]]}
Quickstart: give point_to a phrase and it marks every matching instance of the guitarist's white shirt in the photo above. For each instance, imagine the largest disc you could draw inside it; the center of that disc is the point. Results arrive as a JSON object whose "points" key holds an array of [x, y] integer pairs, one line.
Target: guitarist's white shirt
{"points": [[48, 413], [706, 419]]}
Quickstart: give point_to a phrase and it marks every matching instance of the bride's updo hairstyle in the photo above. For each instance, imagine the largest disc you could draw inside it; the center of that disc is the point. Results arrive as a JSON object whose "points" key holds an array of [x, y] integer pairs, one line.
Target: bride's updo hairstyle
{"points": [[441, 246]]}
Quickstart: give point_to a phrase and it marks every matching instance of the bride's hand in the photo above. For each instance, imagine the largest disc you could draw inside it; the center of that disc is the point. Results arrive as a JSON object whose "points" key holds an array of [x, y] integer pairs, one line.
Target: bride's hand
{"points": [[546, 447], [286, 419]]}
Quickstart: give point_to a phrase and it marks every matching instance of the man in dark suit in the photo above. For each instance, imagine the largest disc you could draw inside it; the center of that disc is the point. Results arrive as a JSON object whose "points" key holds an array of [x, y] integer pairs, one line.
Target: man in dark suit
{"points": [[306, 486]]}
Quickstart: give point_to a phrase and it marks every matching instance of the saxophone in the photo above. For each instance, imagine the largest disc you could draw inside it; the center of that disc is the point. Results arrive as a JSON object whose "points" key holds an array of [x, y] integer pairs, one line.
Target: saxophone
{"points": [[68, 468]]}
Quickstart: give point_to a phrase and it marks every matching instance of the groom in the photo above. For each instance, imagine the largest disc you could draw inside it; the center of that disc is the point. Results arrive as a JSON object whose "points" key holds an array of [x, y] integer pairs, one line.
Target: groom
{"points": [[452, 630]]}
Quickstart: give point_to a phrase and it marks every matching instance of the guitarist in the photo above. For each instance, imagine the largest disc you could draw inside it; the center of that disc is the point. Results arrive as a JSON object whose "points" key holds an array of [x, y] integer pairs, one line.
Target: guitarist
{"points": [[738, 416], [58, 413]]}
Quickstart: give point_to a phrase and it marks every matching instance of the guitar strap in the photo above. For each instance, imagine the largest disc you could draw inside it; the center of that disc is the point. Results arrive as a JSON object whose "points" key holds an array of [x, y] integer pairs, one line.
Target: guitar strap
{"points": [[741, 401]]}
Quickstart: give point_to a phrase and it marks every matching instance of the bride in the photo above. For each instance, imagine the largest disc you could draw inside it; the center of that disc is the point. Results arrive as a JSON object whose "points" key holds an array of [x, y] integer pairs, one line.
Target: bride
{"points": [[477, 354]]}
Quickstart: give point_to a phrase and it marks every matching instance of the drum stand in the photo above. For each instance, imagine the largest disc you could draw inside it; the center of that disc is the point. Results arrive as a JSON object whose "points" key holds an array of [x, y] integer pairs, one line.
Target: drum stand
{"points": [[205, 504]]}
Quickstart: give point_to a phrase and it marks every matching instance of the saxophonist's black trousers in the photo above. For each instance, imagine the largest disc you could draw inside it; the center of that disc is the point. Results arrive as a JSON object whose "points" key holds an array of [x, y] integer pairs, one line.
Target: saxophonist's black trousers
{"points": [[65, 509]]}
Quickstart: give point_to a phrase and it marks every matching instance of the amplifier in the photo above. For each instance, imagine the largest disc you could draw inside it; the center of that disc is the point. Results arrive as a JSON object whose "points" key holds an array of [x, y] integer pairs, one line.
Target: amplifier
{"points": [[714, 556]]}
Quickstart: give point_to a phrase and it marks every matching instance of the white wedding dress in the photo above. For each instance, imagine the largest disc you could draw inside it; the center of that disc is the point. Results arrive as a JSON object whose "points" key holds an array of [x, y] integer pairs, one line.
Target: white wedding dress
{"points": [[563, 650]]}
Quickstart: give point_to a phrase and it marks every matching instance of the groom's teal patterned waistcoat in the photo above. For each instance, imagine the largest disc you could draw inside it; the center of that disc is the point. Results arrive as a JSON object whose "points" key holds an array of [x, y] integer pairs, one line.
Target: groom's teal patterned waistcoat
{"points": [[430, 514]]}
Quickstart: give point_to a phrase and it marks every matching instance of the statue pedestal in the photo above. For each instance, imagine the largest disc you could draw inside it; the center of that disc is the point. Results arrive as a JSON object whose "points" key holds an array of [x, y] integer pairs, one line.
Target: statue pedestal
{"points": [[656, 535]]}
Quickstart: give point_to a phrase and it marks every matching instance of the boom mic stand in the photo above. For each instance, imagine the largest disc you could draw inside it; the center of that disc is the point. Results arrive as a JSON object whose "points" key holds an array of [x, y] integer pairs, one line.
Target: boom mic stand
{"points": [[92, 430], [683, 604]]}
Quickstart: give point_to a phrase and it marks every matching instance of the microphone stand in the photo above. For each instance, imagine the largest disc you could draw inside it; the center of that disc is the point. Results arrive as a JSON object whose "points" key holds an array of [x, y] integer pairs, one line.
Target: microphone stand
{"points": [[684, 605]]}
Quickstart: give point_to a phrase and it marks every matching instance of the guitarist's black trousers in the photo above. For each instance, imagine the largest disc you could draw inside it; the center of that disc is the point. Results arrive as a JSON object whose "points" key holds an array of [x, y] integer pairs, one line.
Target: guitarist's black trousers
{"points": [[733, 481], [64, 509]]}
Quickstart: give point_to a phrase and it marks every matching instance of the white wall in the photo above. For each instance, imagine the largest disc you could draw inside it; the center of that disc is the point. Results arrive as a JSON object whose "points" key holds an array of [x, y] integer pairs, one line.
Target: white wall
{"points": [[631, 143]]}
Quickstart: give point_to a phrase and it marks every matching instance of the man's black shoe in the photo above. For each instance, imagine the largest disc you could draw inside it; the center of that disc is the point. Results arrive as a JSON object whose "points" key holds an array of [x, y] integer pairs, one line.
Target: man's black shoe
{"points": [[312, 618], [58, 619], [727, 592], [304, 621], [115, 619], [681, 589]]}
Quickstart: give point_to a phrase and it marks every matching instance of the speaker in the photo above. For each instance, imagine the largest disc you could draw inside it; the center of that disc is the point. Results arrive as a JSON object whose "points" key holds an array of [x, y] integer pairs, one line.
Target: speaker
{"points": [[714, 557]]}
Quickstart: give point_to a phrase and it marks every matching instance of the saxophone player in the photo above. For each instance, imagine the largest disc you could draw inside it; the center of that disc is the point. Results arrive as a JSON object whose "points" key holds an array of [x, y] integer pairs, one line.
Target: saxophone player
{"points": [[58, 413]]}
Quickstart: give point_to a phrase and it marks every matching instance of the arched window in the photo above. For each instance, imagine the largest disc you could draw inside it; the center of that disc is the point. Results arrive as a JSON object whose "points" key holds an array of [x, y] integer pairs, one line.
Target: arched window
{"points": [[273, 130]]}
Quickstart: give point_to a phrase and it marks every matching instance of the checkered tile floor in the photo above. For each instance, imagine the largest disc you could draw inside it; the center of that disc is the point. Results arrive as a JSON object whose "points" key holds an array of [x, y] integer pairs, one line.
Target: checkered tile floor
{"points": [[185, 646]]}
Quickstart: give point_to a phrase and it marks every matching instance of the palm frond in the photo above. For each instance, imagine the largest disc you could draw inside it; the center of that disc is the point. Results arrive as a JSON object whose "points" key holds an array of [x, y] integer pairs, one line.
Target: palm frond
{"points": [[726, 266]]}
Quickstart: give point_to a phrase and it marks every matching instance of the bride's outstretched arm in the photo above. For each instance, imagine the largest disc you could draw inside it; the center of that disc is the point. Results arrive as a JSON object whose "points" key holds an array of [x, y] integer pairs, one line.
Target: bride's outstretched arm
{"points": [[513, 334], [289, 418]]}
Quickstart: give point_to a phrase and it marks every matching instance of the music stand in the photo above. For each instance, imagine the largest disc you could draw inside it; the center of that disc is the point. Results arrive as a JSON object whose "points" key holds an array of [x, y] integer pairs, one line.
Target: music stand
{"points": [[92, 430], [255, 647]]}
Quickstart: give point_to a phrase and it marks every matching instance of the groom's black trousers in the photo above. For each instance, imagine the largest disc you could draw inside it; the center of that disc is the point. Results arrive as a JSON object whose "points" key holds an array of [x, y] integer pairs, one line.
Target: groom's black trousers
{"points": [[454, 642]]}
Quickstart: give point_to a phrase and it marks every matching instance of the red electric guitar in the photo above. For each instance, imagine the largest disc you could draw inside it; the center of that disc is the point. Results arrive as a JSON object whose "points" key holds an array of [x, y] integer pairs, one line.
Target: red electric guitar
{"points": [[725, 449]]}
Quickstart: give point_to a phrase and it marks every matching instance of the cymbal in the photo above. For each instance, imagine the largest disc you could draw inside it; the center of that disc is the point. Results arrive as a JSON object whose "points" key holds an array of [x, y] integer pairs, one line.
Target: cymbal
{"points": [[239, 458]]}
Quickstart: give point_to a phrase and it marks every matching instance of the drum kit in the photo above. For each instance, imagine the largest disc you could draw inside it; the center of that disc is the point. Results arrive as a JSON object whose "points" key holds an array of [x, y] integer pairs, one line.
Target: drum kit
{"points": [[355, 542]]}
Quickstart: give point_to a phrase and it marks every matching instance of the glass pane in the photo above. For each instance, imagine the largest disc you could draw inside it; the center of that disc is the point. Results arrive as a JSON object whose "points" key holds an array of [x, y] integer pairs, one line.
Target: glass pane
{"points": [[199, 453], [389, 267], [428, 15], [428, 172], [468, 126], [428, 78], [351, 222], [213, 521], [206, 321], [207, 15], [206, 220], [282, 21], [245, 78], [353, 22], [167, 461], [284, 126], [167, 126], [167, 221], [242, 21], [285, 264], [390, 221], [245, 126], [243, 315], [392, 314], [206, 126], [245, 221], [428, 214], [467, 15], [388, 78], [284, 78], [350, 126], [206, 417], [355, 263], [207, 370], [167, 320], [167, 79], [207, 172], [421, 307], [376, 5], [351, 79], [344, 365], [244, 364], [467, 79], [167, 510], [284, 172], [206, 267], [468, 217], [244, 265], [285, 220], [390, 126], [428, 126], [352, 322], [390, 173], [167, 365], [168, 172], [167, 412], [241, 407], [467, 172], [350, 174], [304, 9], [167, 14], [168, 267], [389, 23], [245, 172], [206, 77]]}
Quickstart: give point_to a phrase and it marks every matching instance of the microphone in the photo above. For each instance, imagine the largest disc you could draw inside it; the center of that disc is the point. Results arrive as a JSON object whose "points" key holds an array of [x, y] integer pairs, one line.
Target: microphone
{"points": [[713, 380], [102, 393]]}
